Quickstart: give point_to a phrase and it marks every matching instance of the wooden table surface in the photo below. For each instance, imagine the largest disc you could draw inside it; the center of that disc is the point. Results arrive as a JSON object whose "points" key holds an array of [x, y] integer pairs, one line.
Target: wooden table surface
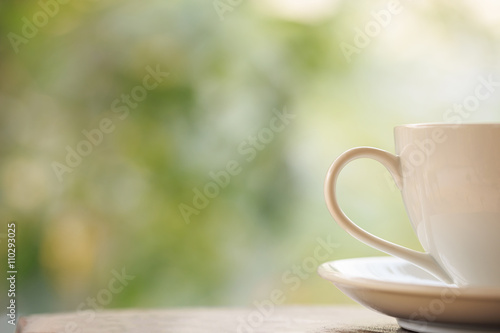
{"points": [[285, 319]]}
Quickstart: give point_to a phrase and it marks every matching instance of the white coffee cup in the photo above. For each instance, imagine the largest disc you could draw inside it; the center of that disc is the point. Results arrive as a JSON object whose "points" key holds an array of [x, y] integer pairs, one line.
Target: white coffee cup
{"points": [[449, 177]]}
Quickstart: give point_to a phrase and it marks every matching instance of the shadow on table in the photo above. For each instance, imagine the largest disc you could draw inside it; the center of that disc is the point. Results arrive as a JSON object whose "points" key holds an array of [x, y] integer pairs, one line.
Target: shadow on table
{"points": [[366, 329]]}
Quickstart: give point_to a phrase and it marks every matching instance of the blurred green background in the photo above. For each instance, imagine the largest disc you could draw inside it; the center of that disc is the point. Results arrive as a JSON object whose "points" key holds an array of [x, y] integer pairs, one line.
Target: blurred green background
{"points": [[232, 67]]}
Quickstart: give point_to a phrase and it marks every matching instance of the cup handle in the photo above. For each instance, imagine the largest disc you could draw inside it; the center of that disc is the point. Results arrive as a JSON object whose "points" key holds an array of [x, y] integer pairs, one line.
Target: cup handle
{"points": [[393, 164]]}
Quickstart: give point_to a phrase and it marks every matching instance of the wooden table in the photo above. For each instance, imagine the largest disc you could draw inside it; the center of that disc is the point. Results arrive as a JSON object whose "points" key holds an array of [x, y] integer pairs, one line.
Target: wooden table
{"points": [[285, 319]]}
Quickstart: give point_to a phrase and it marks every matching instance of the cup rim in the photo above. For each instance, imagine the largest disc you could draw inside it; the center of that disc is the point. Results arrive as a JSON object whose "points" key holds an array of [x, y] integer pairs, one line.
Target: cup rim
{"points": [[448, 125]]}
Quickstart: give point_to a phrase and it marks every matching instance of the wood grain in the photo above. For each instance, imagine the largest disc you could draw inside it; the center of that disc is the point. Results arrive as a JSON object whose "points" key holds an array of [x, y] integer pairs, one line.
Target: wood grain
{"points": [[220, 320]]}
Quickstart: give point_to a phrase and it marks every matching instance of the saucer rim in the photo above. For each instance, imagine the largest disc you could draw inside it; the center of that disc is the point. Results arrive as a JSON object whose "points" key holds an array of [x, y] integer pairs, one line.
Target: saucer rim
{"points": [[327, 272]]}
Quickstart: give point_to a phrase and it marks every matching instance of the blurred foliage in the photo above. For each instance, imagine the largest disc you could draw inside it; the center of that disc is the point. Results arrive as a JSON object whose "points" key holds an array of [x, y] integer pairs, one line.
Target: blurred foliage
{"points": [[119, 208]]}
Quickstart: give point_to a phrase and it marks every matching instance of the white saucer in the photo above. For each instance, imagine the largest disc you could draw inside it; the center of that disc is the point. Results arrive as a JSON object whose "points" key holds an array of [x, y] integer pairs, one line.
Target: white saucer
{"points": [[418, 301]]}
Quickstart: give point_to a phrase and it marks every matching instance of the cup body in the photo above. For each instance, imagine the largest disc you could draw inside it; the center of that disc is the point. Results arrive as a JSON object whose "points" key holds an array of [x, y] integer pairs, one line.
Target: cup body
{"points": [[451, 190]]}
